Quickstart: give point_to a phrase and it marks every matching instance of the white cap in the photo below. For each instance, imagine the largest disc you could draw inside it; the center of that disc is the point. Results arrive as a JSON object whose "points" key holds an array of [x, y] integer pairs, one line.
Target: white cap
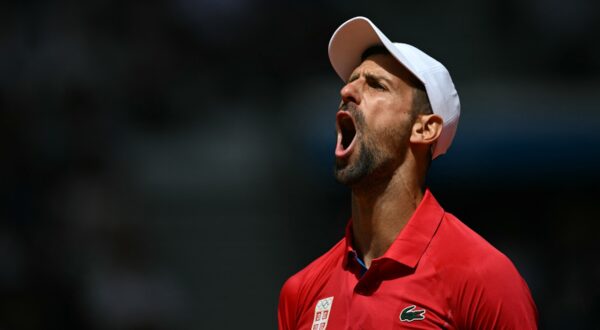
{"points": [[356, 35]]}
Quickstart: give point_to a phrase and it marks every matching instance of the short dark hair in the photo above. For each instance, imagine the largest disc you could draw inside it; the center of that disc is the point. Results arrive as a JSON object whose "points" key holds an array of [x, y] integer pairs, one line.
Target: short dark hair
{"points": [[374, 50]]}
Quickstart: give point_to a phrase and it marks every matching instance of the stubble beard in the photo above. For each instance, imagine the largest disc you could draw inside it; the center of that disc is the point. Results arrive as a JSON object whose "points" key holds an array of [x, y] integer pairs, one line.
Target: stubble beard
{"points": [[353, 174], [372, 164]]}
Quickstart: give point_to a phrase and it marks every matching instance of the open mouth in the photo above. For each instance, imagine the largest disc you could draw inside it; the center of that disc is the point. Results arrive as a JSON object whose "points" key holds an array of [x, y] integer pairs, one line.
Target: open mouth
{"points": [[346, 133]]}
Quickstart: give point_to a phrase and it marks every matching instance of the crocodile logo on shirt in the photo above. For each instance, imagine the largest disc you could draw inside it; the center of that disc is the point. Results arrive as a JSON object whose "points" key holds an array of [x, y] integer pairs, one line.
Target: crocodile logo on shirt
{"points": [[409, 314]]}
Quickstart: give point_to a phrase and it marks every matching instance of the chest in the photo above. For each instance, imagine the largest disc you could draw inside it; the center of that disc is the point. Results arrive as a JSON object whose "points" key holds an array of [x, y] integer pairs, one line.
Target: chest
{"points": [[344, 300]]}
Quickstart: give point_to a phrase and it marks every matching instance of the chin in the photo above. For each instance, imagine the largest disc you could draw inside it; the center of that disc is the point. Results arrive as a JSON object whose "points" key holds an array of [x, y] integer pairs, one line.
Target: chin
{"points": [[352, 171]]}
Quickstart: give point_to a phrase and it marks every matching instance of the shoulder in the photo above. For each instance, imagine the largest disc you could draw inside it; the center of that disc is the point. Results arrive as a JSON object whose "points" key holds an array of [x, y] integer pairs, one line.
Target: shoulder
{"points": [[320, 267], [484, 287], [456, 242], [460, 252], [297, 289]]}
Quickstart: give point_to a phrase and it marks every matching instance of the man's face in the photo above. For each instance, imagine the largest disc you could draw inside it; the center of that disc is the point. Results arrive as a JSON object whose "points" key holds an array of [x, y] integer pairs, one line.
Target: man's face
{"points": [[374, 121]]}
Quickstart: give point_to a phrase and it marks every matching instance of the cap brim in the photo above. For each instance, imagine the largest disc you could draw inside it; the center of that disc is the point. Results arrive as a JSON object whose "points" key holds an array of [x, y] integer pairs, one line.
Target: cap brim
{"points": [[350, 41]]}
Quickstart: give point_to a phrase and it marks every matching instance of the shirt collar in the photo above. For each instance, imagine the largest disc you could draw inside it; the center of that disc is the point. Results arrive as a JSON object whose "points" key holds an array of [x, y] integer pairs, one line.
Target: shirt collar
{"points": [[412, 241], [350, 251]]}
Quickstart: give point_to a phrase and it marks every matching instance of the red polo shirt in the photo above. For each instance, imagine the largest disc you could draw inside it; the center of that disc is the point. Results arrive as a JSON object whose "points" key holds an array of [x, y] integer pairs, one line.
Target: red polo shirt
{"points": [[438, 273]]}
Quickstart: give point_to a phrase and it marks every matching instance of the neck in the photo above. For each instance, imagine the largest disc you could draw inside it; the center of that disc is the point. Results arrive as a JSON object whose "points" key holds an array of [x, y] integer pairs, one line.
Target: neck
{"points": [[380, 211]]}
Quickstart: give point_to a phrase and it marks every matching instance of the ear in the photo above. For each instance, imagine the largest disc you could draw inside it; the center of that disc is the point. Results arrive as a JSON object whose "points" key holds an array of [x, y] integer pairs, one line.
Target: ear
{"points": [[426, 129]]}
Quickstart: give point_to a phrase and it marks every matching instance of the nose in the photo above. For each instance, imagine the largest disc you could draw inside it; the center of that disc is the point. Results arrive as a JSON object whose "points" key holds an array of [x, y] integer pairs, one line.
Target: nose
{"points": [[351, 92]]}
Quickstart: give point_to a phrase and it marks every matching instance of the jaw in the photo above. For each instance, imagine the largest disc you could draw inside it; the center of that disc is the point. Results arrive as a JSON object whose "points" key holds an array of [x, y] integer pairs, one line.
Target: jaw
{"points": [[356, 166], [371, 167]]}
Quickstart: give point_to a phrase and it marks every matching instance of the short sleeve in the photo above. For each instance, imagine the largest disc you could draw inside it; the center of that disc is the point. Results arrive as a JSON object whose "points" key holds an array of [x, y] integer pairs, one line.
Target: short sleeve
{"points": [[288, 304], [495, 296]]}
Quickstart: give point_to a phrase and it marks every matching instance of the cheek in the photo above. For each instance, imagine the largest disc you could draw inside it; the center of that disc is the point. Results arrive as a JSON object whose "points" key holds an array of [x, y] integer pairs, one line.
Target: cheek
{"points": [[387, 115], [386, 112], [392, 122], [392, 133]]}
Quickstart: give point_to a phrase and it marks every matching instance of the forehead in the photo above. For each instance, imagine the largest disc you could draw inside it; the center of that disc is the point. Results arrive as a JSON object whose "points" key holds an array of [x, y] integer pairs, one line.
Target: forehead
{"points": [[386, 65]]}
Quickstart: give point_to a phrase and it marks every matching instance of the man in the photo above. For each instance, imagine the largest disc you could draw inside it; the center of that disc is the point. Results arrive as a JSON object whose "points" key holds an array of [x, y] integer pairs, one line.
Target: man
{"points": [[404, 262]]}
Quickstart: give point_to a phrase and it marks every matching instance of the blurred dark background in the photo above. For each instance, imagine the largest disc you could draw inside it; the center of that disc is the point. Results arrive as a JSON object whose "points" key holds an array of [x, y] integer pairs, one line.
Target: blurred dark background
{"points": [[167, 164]]}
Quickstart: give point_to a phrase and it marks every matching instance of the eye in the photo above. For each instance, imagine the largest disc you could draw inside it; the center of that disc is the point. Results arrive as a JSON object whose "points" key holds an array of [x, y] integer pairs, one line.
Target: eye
{"points": [[378, 86], [374, 83]]}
